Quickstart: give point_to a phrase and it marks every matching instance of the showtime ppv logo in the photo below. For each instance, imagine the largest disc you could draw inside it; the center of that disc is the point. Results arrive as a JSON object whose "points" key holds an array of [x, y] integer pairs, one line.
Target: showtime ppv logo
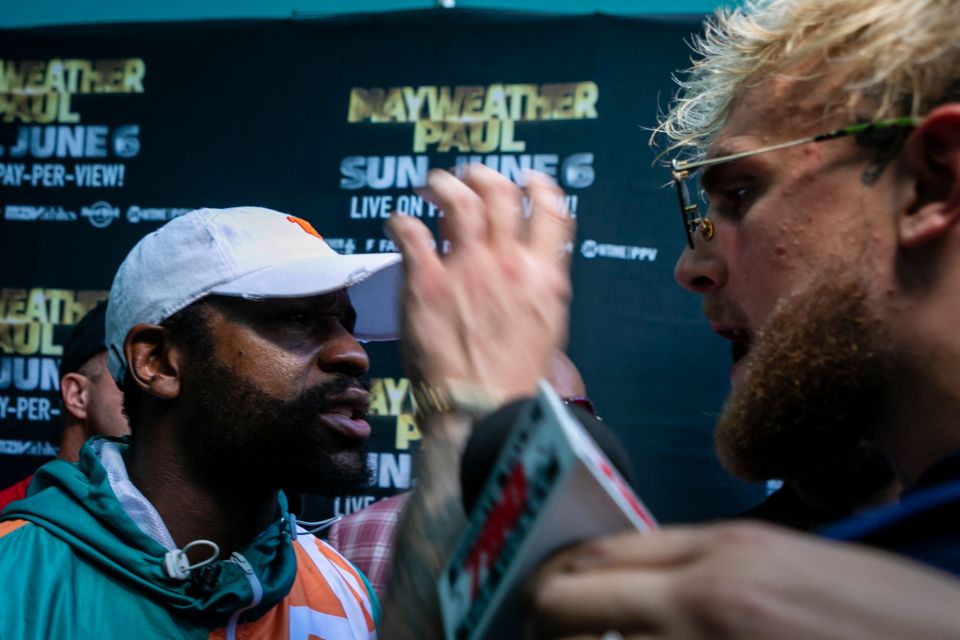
{"points": [[591, 249], [154, 214]]}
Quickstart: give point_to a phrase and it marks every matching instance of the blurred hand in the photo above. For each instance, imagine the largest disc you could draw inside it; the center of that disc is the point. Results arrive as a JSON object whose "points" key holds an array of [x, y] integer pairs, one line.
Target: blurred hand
{"points": [[744, 581], [490, 313]]}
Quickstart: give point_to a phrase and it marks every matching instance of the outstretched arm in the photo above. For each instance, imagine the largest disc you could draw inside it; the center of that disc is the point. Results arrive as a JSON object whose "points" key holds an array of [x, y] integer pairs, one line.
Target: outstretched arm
{"points": [[740, 581], [480, 325], [428, 531]]}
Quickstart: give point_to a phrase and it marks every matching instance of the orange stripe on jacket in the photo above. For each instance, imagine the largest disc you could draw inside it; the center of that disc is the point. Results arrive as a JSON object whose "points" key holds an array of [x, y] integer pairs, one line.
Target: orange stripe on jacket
{"points": [[10, 526], [342, 564], [309, 590]]}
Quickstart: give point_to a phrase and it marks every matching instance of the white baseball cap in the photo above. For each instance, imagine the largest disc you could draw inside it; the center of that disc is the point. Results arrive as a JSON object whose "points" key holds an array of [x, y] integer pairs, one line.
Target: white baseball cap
{"points": [[248, 252]]}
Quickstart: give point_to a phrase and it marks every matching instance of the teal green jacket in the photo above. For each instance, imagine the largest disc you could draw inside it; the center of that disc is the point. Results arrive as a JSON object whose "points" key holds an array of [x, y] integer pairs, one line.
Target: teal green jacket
{"points": [[75, 564]]}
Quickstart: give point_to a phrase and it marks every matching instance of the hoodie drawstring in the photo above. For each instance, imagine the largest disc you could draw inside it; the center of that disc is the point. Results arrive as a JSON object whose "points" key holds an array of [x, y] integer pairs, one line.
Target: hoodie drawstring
{"points": [[314, 527], [177, 564]]}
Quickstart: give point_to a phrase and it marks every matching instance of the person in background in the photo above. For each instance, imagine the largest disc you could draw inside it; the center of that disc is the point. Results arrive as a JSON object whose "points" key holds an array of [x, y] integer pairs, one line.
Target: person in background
{"points": [[826, 138], [367, 538], [234, 333], [92, 402]]}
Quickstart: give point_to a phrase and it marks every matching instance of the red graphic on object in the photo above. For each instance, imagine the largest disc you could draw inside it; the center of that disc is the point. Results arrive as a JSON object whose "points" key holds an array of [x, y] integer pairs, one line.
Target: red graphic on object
{"points": [[503, 517], [306, 226], [627, 493]]}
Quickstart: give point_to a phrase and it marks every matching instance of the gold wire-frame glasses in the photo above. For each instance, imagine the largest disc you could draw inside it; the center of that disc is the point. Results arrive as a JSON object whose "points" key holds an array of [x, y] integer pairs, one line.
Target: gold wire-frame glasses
{"points": [[682, 170]]}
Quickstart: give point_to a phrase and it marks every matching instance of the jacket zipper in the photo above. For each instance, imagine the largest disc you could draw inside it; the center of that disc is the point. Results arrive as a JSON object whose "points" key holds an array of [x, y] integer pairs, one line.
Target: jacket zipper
{"points": [[255, 587]]}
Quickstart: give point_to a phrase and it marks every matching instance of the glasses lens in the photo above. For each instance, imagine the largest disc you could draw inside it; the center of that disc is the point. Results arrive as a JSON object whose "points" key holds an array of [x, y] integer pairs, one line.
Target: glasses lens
{"points": [[693, 204], [696, 192], [687, 207]]}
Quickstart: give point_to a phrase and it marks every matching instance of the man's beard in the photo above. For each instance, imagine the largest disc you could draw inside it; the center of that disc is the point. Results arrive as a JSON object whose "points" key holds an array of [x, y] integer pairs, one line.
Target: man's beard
{"points": [[813, 384], [240, 436]]}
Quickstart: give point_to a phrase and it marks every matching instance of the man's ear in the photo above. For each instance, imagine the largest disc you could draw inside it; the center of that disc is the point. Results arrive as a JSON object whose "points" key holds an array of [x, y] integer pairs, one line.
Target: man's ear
{"points": [[73, 391], [153, 361], [932, 153]]}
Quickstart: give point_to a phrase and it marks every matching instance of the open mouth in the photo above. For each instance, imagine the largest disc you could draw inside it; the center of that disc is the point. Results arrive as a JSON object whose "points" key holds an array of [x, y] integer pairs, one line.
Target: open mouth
{"points": [[740, 342], [347, 412], [738, 350], [352, 403]]}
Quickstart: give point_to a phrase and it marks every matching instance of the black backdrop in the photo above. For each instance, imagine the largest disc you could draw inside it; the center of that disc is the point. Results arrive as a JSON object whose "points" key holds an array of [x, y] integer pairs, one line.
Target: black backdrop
{"points": [[107, 131]]}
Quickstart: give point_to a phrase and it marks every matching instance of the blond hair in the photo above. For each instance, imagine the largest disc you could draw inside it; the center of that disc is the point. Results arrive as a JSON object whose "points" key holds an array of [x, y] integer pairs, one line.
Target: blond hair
{"points": [[892, 58]]}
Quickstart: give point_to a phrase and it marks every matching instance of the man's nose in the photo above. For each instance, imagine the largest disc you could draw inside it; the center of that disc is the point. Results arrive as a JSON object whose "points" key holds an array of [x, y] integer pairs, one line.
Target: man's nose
{"points": [[700, 269], [343, 354]]}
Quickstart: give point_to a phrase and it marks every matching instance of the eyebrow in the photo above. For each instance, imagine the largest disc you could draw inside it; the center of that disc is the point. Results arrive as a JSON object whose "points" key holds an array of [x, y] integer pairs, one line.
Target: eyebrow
{"points": [[720, 150]]}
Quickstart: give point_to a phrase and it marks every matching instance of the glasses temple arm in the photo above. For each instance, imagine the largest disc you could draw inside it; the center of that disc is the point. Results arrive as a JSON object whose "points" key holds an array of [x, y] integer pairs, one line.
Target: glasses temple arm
{"points": [[907, 121]]}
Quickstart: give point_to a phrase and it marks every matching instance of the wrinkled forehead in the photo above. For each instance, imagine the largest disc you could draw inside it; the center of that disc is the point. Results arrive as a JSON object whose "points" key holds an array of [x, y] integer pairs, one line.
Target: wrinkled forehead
{"points": [[780, 107]]}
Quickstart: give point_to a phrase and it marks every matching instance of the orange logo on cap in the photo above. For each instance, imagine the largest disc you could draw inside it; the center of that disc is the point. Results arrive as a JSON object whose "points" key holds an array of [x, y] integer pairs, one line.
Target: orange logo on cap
{"points": [[306, 226]]}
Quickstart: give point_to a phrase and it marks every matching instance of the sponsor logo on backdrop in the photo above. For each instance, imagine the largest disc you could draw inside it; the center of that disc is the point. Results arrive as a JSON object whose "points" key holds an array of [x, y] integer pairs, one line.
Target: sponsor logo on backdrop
{"points": [[27, 448], [591, 249], [342, 245], [30, 213], [100, 214], [154, 214]]}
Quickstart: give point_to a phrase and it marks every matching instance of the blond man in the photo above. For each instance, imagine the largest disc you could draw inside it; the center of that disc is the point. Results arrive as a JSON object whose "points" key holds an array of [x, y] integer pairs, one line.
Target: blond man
{"points": [[826, 137]]}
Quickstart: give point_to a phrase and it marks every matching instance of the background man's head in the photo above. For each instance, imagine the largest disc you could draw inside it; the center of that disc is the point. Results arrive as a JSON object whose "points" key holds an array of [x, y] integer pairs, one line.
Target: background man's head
{"points": [[565, 378], [820, 249], [233, 334], [91, 399]]}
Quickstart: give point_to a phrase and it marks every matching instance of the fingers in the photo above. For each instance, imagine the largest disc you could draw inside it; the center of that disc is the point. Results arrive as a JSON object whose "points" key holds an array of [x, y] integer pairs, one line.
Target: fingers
{"points": [[503, 201], [631, 602], [630, 582], [660, 549], [415, 242], [551, 227], [463, 222], [487, 205], [620, 582]]}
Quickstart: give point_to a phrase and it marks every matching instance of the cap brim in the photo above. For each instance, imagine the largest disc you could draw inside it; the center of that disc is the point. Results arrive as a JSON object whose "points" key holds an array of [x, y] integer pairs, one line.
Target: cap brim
{"points": [[374, 281]]}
